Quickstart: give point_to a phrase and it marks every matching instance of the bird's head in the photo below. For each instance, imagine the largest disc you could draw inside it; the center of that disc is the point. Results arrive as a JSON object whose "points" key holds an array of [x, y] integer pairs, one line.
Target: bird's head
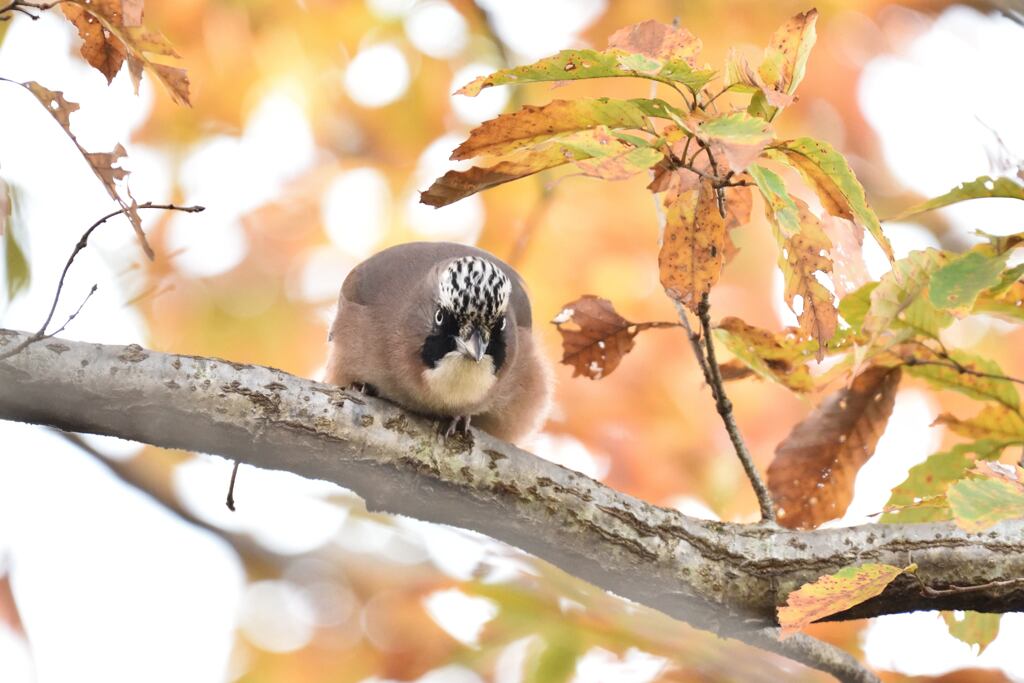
{"points": [[471, 313]]}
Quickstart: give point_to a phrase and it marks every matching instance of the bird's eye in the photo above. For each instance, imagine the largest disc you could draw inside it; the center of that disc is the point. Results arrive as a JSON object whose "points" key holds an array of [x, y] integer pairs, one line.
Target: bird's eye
{"points": [[503, 322], [439, 317]]}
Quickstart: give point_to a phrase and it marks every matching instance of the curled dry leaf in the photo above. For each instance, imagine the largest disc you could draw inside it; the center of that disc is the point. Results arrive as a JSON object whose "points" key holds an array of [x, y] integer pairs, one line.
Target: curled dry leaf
{"points": [[834, 593], [595, 337], [104, 164], [692, 253], [812, 475], [100, 48]]}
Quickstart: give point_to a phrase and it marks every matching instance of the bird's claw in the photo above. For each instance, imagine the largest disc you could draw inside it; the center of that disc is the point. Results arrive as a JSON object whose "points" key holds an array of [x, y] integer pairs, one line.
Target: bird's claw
{"points": [[453, 426]]}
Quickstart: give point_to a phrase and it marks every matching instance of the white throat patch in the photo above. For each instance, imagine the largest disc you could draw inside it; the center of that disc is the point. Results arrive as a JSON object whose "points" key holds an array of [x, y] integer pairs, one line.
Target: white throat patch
{"points": [[457, 383], [475, 288]]}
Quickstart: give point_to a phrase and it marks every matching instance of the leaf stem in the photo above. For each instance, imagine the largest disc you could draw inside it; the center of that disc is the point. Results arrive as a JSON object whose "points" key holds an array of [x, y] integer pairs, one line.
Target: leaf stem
{"points": [[724, 405]]}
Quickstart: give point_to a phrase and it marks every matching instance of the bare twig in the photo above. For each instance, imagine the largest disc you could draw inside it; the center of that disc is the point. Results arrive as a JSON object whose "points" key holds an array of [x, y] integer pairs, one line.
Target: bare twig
{"points": [[25, 7], [724, 405], [964, 590], [82, 243], [230, 502]]}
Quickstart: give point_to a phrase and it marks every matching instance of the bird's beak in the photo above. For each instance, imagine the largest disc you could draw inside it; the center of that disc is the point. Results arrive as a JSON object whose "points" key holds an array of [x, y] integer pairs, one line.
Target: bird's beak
{"points": [[474, 347]]}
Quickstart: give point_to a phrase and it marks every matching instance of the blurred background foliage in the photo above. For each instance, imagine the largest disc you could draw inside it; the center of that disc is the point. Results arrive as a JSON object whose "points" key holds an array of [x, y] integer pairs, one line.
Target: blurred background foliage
{"points": [[313, 126]]}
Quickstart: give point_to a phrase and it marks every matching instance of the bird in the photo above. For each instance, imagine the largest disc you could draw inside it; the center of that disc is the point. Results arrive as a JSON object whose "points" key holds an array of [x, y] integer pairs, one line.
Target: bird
{"points": [[443, 330]]}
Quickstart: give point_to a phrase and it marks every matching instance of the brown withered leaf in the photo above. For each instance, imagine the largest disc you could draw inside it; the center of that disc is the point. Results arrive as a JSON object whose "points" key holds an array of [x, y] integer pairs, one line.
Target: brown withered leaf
{"points": [[103, 164], [801, 255], [693, 250], [595, 337], [456, 185], [658, 41], [812, 475], [100, 48]]}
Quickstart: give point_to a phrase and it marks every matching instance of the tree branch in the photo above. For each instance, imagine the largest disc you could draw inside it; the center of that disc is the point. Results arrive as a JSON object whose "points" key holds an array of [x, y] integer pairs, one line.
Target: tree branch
{"points": [[724, 406], [728, 578]]}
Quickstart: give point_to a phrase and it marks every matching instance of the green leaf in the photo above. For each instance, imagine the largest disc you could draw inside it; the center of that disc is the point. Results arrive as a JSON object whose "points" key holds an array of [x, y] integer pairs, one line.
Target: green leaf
{"points": [[983, 187], [828, 174], [946, 375], [978, 504], [531, 125], [1008, 279], [16, 268], [899, 288], [779, 206], [931, 478], [956, 285], [973, 628], [574, 65], [855, 305], [834, 593], [557, 660]]}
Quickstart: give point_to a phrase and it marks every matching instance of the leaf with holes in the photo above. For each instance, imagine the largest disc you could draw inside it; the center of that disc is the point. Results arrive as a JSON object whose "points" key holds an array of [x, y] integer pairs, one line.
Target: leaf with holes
{"points": [[981, 503], [830, 176], [573, 65], [100, 48], [531, 125], [968, 374], [801, 257], [812, 475], [595, 337], [834, 593], [106, 165], [737, 136], [993, 422], [982, 187], [973, 628], [956, 285], [693, 250]]}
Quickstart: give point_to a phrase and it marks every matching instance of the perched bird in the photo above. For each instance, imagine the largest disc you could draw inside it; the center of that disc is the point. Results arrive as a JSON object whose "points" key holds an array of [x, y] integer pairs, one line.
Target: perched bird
{"points": [[444, 330]]}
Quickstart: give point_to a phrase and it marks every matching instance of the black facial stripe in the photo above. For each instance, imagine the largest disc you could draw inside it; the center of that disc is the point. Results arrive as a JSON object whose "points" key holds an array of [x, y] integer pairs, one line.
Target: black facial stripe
{"points": [[496, 348], [441, 340]]}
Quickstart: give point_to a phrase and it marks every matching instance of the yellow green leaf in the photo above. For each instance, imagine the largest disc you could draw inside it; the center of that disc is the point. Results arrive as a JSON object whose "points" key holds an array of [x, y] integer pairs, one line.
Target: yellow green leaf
{"points": [[968, 374], [978, 504], [1008, 304], [572, 65], [830, 176], [834, 593], [982, 187], [956, 285], [993, 422], [973, 628], [531, 125], [928, 481], [789, 50], [899, 288], [16, 269]]}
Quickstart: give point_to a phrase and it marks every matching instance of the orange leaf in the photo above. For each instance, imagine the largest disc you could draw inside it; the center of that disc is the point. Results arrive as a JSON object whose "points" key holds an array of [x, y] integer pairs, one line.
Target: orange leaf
{"points": [[598, 337], [833, 594], [692, 253], [100, 48], [812, 475]]}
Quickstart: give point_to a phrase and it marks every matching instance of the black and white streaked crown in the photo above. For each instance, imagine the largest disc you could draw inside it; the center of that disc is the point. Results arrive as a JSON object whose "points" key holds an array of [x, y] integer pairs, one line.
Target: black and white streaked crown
{"points": [[475, 289]]}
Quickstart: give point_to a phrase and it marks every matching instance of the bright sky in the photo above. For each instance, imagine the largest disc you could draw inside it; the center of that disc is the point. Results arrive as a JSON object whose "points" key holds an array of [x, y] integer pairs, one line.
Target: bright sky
{"points": [[108, 581]]}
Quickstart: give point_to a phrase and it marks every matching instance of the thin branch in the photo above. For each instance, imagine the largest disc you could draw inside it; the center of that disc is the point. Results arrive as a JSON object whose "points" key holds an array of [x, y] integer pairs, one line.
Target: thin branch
{"points": [[724, 405], [83, 241], [24, 7], [952, 364], [230, 501], [930, 592]]}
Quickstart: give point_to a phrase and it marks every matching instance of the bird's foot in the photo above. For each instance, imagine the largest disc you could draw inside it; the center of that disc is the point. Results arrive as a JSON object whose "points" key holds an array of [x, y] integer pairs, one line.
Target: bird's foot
{"points": [[453, 426], [362, 388]]}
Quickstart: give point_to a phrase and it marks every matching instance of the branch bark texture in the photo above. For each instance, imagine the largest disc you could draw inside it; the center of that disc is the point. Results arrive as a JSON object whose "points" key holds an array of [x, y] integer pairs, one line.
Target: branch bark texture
{"points": [[724, 577]]}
